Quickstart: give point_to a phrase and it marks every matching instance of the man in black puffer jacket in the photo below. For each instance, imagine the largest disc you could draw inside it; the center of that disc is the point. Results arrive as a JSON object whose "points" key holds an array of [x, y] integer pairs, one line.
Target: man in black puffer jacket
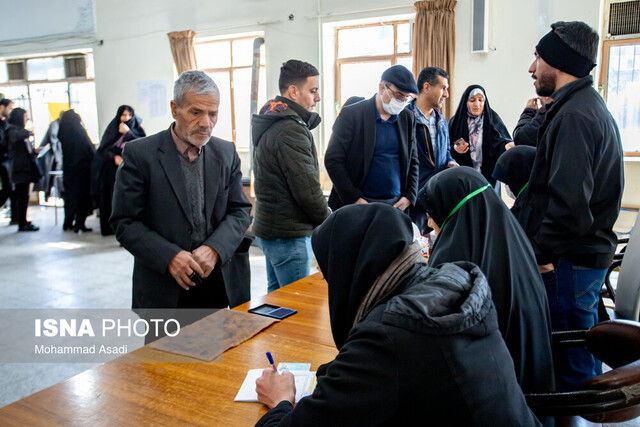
{"points": [[289, 200]]}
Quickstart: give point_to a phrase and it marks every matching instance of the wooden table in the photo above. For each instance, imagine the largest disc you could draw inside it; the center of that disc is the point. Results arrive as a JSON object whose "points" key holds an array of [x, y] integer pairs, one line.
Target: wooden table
{"points": [[119, 393]]}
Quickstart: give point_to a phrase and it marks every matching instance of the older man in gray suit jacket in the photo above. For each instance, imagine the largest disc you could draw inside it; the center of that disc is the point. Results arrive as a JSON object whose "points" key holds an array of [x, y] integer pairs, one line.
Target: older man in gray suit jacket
{"points": [[178, 205]]}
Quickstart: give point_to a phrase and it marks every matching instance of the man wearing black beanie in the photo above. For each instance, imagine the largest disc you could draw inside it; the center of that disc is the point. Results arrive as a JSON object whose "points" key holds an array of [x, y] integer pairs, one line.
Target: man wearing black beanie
{"points": [[575, 190]]}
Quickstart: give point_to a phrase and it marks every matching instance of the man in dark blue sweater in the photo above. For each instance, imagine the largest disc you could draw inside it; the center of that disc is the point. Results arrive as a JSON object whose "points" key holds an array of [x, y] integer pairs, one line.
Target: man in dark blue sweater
{"points": [[372, 154]]}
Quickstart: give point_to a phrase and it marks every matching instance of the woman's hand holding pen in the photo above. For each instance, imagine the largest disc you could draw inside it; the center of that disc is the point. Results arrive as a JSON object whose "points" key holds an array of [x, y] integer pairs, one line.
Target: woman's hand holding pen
{"points": [[272, 387]]}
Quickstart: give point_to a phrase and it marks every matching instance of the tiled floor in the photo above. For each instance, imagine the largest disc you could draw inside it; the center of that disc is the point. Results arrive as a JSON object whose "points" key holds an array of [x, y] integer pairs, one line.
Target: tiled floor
{"points": [[55, 269]]}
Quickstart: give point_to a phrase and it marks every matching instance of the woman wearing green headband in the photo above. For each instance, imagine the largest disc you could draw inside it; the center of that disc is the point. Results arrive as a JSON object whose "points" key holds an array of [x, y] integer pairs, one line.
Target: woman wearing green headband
{"points": [[476, 226]]}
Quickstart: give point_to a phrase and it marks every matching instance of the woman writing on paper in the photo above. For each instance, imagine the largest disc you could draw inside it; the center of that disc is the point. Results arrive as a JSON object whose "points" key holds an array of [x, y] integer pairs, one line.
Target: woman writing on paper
{"points": [[413, 341]]}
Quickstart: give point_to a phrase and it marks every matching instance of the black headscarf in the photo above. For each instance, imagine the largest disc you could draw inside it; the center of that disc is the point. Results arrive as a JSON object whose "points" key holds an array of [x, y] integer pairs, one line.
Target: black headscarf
{"points": [[354, 246], [16, 118], [514, 168], [112, 133], [494, 134], [77, 148], [484, 232]]}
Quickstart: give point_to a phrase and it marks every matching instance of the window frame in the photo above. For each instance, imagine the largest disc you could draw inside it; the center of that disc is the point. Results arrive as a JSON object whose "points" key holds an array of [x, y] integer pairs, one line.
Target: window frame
{"points": [[230, 71], [28, 82], [604, 71], [393, 58]]}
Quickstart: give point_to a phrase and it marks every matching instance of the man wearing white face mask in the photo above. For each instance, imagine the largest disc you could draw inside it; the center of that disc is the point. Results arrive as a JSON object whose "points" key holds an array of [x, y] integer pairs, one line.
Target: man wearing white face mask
{"points": [[372, 154]]}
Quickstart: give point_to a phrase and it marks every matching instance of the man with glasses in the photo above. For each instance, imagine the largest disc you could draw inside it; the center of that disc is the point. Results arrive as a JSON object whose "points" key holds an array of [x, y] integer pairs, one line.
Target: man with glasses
{"points": [[372, 155]]}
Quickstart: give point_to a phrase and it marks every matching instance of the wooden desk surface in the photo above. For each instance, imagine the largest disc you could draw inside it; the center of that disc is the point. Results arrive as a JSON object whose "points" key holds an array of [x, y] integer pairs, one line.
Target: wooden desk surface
{"points": [[308, 296], [185, 393]]}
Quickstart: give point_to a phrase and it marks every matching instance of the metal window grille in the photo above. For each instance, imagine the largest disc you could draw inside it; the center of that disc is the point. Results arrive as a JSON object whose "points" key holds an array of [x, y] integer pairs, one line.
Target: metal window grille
{"points": [[624, 18]]}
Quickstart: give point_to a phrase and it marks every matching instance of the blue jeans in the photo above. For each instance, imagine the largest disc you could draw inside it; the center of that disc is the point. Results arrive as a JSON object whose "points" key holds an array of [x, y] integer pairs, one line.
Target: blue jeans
{"points": [[573, 293], [287, 260]]}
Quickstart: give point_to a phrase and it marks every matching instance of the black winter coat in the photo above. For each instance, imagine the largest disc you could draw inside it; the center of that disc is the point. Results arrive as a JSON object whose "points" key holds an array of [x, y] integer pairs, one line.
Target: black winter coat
{"points": [[21, 164], [576, 184], [526, 131], [431, 353]]}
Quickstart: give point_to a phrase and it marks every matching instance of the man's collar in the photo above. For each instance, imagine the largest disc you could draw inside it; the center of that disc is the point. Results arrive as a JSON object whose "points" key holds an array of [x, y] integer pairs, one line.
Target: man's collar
{"points": [[309, 117], [185, 148], [571, 87], [299, 109], [392, 119], [419, 115]]}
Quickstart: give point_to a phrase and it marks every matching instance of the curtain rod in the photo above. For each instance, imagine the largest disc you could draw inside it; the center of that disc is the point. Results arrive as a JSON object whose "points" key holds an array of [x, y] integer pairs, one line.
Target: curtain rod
{"points": [[352, 12]]}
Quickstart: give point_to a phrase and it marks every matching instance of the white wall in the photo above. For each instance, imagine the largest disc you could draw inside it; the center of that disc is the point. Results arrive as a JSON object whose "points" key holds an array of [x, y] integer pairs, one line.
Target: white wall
{"points": [[35, 25], [514, 30], [135, 47]]}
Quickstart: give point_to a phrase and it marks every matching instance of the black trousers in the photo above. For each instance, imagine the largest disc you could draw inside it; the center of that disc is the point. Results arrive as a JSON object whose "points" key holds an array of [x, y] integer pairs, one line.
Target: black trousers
{"points": [[209, 294], [22, 202], [7, 188], [202, 300]]}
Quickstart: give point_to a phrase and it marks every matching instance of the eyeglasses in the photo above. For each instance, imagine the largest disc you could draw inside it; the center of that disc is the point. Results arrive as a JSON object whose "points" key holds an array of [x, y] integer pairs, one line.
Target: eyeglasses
{"points": [[399, 95]]}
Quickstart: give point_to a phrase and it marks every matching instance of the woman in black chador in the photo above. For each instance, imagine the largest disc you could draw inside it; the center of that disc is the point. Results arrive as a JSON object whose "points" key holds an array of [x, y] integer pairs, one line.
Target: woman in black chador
{"points": [[77, 154], [477, 134], [415, 343], [474, 225], [23, 167], [124, 127]]}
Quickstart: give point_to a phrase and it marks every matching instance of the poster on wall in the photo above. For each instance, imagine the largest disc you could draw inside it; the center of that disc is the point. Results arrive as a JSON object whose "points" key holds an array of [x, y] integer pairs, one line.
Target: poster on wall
{"points": [[153, 93]]}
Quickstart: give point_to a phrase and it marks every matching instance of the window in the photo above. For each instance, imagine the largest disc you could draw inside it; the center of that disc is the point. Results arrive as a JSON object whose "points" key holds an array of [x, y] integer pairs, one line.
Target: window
{"points": [[363, 52], [620, 87], [44, 86], [228, 62]]}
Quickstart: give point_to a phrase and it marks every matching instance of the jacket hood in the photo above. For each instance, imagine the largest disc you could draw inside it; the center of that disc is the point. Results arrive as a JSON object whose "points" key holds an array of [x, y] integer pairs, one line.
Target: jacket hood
{"points": [[281, 108], [450, 299]]}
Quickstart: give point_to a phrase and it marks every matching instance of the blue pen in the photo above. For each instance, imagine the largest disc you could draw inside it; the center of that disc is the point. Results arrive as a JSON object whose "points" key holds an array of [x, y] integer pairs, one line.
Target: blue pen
{"points": [[270, 357]]}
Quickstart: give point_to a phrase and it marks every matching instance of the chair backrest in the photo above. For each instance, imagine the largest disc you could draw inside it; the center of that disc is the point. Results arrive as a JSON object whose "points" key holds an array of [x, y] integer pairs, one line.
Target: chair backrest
{"points": [[628, 288]]}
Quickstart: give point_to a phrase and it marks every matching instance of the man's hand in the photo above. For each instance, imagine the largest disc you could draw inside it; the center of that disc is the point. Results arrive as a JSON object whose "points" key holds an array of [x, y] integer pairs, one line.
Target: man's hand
{"points": [[402, 204], [361, 201], [546, 268], [206, 257], [533, 103], [452, 164], [181, 267], [272, 388], [117, 159], [509, 145]]}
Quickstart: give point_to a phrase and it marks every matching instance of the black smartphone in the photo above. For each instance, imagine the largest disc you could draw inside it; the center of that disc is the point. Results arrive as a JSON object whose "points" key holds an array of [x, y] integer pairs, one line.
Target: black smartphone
{"points": [[273, 311], [195, 278]]}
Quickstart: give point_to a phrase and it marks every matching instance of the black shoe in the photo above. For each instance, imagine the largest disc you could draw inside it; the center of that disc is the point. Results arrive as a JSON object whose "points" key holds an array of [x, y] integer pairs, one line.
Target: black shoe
{"points": [[83, 229], [67, 227], [28, 227], [13, 222]]}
